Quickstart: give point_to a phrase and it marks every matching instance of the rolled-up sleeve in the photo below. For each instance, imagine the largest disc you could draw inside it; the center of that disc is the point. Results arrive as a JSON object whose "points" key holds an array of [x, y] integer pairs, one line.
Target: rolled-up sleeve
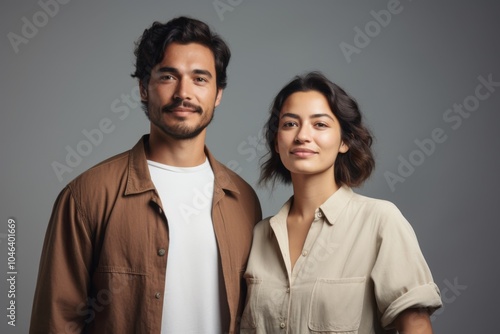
{"points": [[401, 276]]}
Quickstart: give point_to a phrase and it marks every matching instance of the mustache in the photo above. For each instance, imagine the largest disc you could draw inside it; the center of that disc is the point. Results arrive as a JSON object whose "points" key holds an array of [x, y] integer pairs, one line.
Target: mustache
{"points": [[181, 103]]}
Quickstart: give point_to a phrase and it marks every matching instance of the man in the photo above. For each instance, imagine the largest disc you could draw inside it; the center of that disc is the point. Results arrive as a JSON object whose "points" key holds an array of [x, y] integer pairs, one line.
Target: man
{"points": [[154, 240]]}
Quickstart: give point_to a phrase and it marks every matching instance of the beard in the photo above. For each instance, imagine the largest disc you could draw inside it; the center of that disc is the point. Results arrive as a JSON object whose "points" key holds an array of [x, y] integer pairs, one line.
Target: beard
{"points": [[180, 130]]}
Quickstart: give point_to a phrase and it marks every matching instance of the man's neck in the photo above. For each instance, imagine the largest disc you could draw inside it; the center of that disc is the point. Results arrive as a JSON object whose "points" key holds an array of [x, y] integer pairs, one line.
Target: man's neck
{"points": [[176, 152]]}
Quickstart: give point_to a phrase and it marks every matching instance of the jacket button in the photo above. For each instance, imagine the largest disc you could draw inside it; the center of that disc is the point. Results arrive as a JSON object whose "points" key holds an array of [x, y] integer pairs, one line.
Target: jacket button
{"points": [[282, 325], [161, 252], [157, 295]]}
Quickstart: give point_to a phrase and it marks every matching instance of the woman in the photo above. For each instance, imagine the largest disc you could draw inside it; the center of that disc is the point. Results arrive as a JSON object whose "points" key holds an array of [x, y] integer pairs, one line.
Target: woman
{"points": [[331, 261]]}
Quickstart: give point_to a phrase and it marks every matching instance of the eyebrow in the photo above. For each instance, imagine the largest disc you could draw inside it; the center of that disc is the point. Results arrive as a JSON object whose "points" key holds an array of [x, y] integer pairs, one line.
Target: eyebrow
{"points": [[295, 116], [167, 69]]}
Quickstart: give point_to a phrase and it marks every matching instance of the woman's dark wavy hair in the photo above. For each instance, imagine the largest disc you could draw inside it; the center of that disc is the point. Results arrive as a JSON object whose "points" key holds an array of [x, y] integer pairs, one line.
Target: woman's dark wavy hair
{"points": [[351, 168], [150, 48]]}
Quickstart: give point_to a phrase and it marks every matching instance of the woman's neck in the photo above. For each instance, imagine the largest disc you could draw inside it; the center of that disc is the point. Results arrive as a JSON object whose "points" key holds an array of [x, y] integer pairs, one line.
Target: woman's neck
{"points": [[310, 191]]}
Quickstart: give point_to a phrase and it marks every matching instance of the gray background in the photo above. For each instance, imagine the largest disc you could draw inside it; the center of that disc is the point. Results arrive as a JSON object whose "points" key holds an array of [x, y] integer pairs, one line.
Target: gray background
{"points": [[73, 72]]}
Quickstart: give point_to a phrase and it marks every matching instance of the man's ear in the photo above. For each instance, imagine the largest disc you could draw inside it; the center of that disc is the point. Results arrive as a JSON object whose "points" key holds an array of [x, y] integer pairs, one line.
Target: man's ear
{"points": [[218, 98], [143, 89]]}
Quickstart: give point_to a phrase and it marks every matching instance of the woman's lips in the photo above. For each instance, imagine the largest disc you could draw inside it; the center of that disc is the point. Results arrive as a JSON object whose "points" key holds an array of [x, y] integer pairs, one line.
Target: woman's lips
{"points": [[303, 152]]}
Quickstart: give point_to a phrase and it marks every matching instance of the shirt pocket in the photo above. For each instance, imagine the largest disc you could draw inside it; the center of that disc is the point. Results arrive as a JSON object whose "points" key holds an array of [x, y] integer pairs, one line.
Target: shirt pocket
{"points": [[122, 283], [336, 305], [249, 317]]}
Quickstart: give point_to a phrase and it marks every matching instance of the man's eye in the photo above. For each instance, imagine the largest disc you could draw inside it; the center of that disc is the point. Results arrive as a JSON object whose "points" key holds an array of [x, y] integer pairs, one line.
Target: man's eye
{"points": [[201, 79], [166, 77]]}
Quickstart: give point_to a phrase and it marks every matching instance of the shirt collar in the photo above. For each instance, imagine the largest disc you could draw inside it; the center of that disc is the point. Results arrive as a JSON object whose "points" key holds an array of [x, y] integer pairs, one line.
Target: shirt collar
{"points": [[139, 179], [335, 204], [222, 177], [331, 208]]}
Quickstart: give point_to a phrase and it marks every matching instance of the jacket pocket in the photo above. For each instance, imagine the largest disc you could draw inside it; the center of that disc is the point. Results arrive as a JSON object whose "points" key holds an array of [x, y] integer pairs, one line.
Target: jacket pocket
{"points": [[336, 305], [249, 318]]}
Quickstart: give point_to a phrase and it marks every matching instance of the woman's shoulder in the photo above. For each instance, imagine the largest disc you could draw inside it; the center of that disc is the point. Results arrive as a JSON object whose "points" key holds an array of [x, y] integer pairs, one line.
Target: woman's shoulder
{"points": [[376, 205], [267, 221], [381, 212]]}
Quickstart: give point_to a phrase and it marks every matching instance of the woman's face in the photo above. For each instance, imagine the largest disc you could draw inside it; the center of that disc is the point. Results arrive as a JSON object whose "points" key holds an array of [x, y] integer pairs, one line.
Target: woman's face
{"points": [[309, 135]]}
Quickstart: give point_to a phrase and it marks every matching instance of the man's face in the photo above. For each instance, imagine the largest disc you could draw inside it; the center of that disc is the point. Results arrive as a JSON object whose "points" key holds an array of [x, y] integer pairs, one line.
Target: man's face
{"points": [[182, 92]]}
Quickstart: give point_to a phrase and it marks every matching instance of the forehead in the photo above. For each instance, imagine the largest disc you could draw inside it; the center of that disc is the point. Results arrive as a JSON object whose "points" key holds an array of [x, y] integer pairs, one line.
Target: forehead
{"points": [[188, 55], [308, 102]]}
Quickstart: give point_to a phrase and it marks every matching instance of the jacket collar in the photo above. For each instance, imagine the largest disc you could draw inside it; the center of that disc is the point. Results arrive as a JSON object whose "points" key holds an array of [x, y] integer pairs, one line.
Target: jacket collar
{"points": [[139, 179]]}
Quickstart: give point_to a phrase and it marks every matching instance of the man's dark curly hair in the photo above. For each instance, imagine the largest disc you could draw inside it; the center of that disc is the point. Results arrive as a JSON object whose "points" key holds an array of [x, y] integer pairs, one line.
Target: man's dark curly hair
{"points": [[150, 48], [351, 168]]}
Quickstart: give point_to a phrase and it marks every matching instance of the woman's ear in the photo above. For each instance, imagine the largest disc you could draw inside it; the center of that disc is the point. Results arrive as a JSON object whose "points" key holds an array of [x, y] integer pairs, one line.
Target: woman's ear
{"points": [[343, 147], [276, 146]]}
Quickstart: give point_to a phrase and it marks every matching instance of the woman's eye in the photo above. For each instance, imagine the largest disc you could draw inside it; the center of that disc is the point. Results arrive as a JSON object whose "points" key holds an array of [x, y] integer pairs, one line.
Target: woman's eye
{"points": [[321, 125], [288, 124]]}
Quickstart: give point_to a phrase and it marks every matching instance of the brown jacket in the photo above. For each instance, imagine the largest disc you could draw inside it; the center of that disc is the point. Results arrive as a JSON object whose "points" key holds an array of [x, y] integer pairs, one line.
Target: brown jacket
{"points": [[104, 258]]}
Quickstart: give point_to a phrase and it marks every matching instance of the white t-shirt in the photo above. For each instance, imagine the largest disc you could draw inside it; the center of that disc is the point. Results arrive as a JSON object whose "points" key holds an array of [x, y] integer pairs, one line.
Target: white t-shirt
{"points": [[193, 284]]}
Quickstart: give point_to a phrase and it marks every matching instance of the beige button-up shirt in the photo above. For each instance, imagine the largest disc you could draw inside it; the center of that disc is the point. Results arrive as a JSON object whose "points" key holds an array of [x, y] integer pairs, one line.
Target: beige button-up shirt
{"points": [[361, 266]]}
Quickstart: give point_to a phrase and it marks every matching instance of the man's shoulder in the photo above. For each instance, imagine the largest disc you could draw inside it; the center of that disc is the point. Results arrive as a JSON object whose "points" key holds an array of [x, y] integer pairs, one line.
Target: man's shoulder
{"points": [[106, 171], [97, 185], [113, 168]]}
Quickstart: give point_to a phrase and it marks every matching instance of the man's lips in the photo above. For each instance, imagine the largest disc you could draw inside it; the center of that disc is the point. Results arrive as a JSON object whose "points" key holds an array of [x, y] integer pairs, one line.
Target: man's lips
{"points": [[182, 110]]}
